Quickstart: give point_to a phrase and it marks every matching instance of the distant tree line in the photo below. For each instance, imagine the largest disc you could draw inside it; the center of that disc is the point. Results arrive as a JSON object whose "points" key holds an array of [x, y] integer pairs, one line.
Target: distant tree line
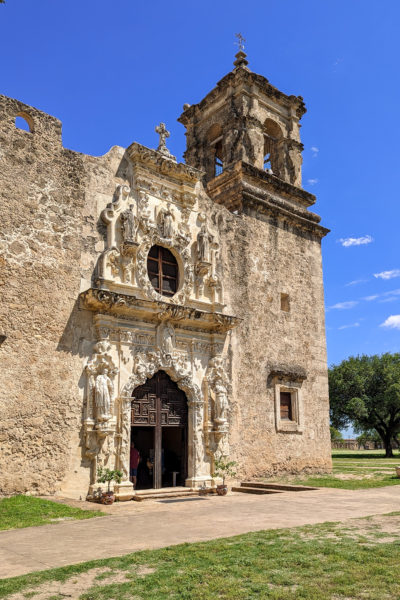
{"points": [[364, 391]]}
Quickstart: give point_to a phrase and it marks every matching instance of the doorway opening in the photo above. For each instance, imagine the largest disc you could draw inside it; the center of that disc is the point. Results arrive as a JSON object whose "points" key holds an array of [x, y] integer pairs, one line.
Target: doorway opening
{"points": [[159, 432]]}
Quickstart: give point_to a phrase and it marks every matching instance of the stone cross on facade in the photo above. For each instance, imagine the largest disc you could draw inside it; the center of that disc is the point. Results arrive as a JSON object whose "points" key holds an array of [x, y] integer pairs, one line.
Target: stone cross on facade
{"points": [[163, 133]]}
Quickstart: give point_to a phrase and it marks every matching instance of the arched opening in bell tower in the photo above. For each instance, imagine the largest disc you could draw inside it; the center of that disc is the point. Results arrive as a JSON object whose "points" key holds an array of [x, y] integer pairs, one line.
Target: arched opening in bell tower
{"points": [[214, 137], [272, 150]]}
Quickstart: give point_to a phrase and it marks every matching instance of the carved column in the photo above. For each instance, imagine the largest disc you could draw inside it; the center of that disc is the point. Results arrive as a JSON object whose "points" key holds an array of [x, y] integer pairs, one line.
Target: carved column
{"points": [[124, 490], [196, 465]]}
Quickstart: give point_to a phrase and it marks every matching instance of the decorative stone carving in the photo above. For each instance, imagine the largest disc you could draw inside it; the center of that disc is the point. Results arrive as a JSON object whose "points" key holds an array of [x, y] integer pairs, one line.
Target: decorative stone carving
{"points": [[218, 391], [129, 225], [203, 244], [165, 220], [175, 364], [166, 337], [188, 272], [162, 148], [103, 393], [100, 372]]}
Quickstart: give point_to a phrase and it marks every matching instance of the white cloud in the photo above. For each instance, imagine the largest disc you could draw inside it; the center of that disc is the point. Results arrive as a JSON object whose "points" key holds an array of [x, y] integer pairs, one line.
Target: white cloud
{"points": [[315, 151], [392, 322], [348, 326], [312, 181], [388, 274], [345, 305], [387, 296], [356, 282], [361, 241]]}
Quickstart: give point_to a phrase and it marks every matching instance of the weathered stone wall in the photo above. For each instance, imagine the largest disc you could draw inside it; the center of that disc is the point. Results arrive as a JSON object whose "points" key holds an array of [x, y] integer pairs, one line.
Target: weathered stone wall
{"points": [[49, 233], [261, 260], [51, 238], [42, 195]]}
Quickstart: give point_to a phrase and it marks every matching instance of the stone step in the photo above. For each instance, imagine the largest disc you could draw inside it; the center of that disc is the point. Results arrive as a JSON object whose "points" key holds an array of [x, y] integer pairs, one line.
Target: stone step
{"points": [[283, 487], [160, 494], [254, 490]]}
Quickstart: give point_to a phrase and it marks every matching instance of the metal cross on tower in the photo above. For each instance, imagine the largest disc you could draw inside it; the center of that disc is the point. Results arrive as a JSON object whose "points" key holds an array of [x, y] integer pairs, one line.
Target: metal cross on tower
{"points": [[240, 42]]}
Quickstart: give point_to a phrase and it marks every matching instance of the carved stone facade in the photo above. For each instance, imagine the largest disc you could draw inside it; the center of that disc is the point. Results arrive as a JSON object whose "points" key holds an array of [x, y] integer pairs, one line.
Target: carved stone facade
{"points": [[86, 324]]}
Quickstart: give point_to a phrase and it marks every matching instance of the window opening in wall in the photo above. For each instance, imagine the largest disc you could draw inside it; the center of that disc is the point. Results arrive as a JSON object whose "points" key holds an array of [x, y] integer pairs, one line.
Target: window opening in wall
{"points": [[286, 406], [272, 151], [218, 163], [267, 162], [162, 269], [24, 122], [285, 302]]}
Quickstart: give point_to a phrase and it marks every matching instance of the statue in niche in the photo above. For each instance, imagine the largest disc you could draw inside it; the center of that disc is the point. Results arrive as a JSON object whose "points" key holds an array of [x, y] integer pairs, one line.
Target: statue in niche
{"points": [[219, 390], [166, 222], [203, 244], [168, 339], [139, 367], [165, 338], [128, 225], [103, 392], [220, 401]]}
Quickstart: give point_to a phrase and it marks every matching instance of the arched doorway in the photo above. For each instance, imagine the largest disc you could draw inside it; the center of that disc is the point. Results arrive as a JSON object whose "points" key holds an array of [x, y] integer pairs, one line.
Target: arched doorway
{"points": [[159, 418]]}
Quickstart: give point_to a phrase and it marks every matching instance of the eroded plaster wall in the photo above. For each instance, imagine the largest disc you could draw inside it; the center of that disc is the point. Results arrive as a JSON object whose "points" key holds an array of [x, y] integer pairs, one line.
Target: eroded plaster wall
{"points": [[261, 260], [51, 238]]}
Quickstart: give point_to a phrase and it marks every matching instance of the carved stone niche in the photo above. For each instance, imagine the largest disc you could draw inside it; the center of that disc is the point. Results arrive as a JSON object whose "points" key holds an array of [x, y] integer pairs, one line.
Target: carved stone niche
{"points": [[288, 379], [117, 261], [99, 421], [100, 373]]}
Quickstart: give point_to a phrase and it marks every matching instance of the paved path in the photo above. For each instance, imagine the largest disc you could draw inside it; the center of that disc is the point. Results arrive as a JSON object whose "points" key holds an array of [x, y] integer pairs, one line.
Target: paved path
{"points": [[137, 526]]}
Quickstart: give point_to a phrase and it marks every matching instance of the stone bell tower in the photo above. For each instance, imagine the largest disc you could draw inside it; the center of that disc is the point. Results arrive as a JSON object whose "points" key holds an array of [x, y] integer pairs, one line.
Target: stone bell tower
{"points": [[245, 130]]}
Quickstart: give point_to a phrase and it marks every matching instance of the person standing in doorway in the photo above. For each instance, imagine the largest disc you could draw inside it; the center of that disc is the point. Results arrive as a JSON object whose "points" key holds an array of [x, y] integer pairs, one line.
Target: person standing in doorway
{"points": [[134, 463]]}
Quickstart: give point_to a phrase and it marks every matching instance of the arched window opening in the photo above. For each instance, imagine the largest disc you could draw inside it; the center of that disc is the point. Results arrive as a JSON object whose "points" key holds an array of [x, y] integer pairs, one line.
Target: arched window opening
{"points": [[24, 121], [218, 162], [163, 270], [272, 136], [214, 136]]}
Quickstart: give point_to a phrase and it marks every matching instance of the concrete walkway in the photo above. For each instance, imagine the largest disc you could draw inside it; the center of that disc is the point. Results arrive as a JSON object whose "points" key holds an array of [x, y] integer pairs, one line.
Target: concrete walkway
{"points": [[137, 526]]}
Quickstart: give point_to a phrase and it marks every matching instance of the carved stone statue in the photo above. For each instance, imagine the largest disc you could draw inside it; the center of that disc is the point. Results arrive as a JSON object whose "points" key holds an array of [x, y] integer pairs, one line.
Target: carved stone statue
{"points": [[221, 401], [103, 393], [218, 379], [100, 371], [128, 225], [203, 244], [166, 222], [168, 339]]}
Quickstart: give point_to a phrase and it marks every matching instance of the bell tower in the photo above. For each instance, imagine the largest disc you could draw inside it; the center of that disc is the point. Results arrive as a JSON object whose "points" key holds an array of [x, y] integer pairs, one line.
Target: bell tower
{"points": [[244, 129]]}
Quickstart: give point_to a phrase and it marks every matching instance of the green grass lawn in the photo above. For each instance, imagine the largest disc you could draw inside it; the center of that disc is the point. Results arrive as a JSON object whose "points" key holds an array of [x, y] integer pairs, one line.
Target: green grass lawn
{"points": [[354, 560], [354, 470], [25, 511]]}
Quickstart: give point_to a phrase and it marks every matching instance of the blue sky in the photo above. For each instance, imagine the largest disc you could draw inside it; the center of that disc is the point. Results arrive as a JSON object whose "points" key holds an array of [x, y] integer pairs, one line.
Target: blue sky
{"points": [[111, 71]]}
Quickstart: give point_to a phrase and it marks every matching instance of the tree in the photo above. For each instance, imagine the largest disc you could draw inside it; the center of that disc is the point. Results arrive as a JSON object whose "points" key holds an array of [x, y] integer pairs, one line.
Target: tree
{"points": [[370, 435], [336, 435], [365, 390]]}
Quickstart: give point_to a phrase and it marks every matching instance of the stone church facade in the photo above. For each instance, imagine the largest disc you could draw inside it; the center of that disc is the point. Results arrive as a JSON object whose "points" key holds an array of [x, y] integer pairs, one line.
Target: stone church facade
{"points": [[176, 305]]}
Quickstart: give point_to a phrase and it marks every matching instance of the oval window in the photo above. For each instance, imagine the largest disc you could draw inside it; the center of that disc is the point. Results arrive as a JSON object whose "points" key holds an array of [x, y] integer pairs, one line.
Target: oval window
{"points": [[162, 269]]}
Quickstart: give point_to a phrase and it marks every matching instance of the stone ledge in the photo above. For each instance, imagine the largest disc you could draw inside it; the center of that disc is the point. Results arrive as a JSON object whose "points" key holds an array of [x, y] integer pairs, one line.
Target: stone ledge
{"points": [[114, 303], [293, 372]]}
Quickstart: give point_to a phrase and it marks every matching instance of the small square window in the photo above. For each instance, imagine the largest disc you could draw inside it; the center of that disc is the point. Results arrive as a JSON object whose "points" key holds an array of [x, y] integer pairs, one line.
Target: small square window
{"points": [[285, 302], [288, 406]]}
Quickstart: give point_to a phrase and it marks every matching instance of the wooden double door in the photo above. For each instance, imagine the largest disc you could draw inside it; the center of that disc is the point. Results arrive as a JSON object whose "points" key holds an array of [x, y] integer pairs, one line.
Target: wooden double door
{"points": [[159, 429]]}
